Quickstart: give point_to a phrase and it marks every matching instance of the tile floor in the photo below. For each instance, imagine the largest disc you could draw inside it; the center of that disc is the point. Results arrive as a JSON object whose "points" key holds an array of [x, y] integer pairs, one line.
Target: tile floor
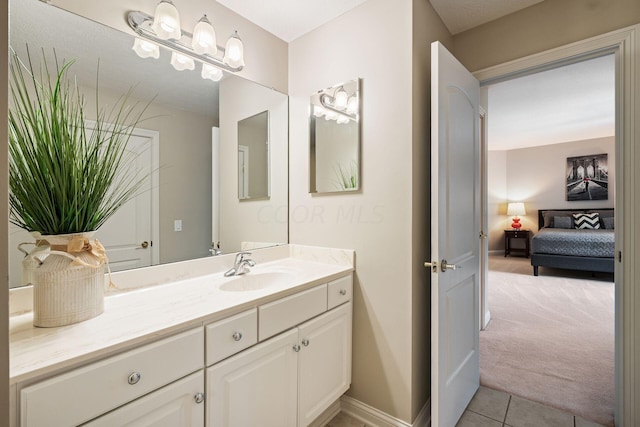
{"points": [[491, 408]]}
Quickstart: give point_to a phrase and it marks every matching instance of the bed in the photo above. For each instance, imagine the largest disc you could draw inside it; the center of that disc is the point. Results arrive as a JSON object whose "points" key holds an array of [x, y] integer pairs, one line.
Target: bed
{"points": [[559, 244]]}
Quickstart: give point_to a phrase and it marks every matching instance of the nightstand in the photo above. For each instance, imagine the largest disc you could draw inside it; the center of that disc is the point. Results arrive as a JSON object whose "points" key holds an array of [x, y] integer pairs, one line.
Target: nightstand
{"points": [[511, 235]]}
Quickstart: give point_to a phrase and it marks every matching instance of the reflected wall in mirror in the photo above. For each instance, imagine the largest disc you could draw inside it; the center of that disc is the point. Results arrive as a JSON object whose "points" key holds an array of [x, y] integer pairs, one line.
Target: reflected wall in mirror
{"points": [[253, 157], [334, 162], [190, 122]]}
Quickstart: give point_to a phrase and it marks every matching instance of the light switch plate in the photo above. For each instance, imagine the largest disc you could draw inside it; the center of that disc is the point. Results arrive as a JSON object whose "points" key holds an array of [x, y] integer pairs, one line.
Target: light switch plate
{"points": [[177, 225]]}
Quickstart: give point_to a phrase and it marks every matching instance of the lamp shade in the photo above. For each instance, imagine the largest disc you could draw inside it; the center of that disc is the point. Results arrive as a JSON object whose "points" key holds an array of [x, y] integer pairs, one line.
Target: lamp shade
{"points": [[166, 22], [352, 105], [204, 37], [234, 52], [182, 62], [210, 72], [145, 49], [340, 99], [516, 209]]}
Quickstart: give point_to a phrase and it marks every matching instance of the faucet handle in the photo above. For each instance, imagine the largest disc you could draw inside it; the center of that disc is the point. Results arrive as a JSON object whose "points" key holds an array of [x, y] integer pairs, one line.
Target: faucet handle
{"points": [[240, 256]]}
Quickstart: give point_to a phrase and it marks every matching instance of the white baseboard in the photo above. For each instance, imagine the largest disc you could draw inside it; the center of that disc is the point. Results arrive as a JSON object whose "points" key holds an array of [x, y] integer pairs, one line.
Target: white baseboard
{"points": [[496, 252], [327, 415], [375, 418]]}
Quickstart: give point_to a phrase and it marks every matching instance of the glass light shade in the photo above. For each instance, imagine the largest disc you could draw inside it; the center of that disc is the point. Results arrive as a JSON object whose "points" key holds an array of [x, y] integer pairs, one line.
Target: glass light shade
{"points": [[318, 111], [330, 115], [145, 49], [516, 209], [352, 105], [234, 52], [210, 72], [340, 98], [182, 62], [342, 120], [166, 22], [204, 37]]}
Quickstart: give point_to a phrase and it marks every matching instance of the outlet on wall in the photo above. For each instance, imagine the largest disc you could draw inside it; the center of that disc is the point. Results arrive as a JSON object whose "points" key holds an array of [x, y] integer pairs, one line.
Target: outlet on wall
{"points": [[177, 225]]}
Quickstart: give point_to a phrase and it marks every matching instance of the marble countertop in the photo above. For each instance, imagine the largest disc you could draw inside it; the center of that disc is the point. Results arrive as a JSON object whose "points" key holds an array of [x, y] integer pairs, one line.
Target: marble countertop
{"points": [[143, 314]]}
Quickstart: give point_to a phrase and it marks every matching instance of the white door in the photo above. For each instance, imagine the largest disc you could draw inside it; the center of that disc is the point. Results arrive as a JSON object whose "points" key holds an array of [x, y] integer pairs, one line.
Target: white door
{"points": [[180, 404], [243, 172], [455, 216], [324, 363], [257, 387], [127, 234]]}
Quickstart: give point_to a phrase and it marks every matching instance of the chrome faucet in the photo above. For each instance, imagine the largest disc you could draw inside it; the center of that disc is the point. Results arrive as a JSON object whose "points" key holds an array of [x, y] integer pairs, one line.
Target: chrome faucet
{"points": [[241, 264]]}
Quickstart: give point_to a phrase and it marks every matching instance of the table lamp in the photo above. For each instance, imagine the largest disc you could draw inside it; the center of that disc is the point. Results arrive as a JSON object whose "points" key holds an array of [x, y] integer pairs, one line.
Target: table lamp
{"points": [[516, 209]]}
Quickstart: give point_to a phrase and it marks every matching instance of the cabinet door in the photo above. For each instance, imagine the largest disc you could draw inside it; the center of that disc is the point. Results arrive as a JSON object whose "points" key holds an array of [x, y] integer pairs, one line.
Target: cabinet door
{"points": [[256, 387], [324, 363], [175, 405]]}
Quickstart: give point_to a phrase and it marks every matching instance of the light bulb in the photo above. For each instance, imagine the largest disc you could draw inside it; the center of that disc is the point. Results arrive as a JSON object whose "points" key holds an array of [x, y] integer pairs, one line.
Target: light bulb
{"points": [[210, 72], [342, 120], [166, 22], [340, 98], [204, 37], [352, 105], [318, 111], [234, 52], [182, 62], [145, 49]]}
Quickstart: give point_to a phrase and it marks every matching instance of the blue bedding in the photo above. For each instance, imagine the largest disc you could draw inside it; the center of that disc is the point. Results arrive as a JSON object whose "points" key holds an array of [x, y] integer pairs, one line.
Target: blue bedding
{"points": [[588, 243]]}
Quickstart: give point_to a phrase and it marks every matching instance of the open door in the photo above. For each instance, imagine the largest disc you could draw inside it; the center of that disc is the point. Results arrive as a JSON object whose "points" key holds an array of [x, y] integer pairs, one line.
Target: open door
{"points": [[455, 244]]}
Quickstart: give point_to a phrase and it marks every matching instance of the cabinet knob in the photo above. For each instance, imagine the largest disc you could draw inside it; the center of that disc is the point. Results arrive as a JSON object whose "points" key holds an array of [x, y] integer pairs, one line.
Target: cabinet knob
{"points": [[305, 342], [296, 348], [237, 336], [134, 377], [199, 397], [343, 292]]}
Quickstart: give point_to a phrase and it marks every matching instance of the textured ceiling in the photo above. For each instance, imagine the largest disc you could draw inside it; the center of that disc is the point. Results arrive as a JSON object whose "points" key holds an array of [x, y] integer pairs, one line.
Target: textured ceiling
{"points": [[571, 103], [289, 19], [462, 15]]}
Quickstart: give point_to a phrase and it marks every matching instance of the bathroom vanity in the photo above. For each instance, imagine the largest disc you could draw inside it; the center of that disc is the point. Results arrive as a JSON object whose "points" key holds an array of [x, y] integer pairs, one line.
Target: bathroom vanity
{"points": [[269, 348]]}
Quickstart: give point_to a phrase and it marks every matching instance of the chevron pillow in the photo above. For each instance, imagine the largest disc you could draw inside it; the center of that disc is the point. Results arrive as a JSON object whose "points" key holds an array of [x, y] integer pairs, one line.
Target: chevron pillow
{"points": [[586, 220]]}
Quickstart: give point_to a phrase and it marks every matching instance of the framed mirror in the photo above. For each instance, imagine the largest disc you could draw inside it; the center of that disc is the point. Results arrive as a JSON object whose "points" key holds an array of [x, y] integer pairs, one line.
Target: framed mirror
{"points": [[189, 136], [334, 162], [253, 157]]}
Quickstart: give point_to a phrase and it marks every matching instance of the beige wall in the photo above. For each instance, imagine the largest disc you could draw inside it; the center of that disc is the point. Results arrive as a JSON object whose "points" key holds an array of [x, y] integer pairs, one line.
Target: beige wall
{"points": [[496, 198], [265, 54], [4, 219], [260, 220], [541, 27], [375, 42], [536, 176]]}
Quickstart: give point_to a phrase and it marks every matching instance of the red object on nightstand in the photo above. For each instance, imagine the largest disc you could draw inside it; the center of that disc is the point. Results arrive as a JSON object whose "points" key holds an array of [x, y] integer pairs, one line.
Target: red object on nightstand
{"points": [[516, 223]]}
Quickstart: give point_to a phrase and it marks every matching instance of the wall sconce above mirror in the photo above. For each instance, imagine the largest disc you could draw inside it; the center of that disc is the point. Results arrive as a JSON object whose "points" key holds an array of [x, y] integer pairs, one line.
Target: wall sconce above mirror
{"points": [[334, 162]]}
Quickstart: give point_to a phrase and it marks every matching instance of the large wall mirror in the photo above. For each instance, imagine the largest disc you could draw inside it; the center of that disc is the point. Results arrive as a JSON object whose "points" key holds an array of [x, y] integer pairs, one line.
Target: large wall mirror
{"points": [[334, 162], [189, 139]]}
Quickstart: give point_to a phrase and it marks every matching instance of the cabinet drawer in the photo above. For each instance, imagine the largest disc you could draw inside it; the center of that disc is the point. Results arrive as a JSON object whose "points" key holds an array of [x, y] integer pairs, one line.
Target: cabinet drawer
{"points": [[339, 291], [85, 393], [231, 335], [288, 312]]}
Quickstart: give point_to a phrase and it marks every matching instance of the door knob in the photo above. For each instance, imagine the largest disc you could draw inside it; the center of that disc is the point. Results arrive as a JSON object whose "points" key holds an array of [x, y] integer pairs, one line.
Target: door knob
{"points": [[444, 266], [144, 245], [432, 265]]}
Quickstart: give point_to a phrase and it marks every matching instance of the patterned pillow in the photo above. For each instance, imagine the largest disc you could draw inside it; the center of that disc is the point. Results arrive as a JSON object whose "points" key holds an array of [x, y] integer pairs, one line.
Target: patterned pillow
{"points": [[562, 222], [587, 220], [608, 223]]}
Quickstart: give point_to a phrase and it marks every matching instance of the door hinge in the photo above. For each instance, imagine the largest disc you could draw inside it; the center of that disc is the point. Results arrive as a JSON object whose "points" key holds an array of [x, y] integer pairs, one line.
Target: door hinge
{"points": [[619, 256]]}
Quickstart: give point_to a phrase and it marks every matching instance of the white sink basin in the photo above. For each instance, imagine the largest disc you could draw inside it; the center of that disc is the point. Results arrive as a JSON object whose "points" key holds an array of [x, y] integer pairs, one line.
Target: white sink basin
{"points": [[255, 281]]}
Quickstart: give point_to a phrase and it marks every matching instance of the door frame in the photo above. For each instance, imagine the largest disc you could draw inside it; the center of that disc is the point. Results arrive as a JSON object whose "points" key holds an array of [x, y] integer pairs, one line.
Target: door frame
{"points": [[624, 44]]}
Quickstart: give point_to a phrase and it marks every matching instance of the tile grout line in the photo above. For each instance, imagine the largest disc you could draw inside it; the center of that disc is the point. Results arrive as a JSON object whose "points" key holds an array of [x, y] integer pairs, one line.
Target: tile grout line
{"points": [[504, 421]]}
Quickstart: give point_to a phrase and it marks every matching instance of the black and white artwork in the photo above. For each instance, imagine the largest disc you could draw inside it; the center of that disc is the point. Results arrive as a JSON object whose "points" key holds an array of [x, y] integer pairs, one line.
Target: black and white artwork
{"points": [[587, 178]]}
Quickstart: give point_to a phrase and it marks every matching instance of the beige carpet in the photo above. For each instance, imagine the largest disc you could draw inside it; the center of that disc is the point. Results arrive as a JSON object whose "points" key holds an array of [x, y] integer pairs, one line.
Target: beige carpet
{"points": [[551, 340]]}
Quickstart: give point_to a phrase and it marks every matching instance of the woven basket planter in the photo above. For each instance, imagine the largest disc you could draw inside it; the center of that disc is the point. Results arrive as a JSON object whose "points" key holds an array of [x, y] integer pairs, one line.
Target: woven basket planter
{"points": [[68, 286]]}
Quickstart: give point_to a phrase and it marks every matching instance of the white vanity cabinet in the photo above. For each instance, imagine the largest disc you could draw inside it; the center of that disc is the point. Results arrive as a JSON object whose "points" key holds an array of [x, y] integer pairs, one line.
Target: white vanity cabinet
{"points": [[290, 379], [85, 393]]}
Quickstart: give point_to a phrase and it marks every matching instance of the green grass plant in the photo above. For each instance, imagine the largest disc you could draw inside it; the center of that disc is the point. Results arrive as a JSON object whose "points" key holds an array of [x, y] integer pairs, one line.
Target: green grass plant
{"points": [[64, 175]]}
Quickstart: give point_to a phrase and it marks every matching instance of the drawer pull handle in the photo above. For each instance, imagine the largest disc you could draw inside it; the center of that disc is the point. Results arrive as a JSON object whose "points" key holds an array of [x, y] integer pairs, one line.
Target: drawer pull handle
{"points": [[199, 397], [305, 342], [343, 292], [134, 377], [237, 336], [296, 348]]}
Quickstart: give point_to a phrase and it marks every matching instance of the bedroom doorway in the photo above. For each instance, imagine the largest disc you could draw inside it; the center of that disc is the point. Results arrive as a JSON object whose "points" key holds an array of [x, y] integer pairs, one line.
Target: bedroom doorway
{"points": [[526, 159]]}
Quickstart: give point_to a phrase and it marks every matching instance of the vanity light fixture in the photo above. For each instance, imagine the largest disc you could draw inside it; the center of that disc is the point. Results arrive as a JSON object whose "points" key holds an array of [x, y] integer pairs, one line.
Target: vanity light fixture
{"points": [[340, 105], [340, 98], [164, 30]]}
